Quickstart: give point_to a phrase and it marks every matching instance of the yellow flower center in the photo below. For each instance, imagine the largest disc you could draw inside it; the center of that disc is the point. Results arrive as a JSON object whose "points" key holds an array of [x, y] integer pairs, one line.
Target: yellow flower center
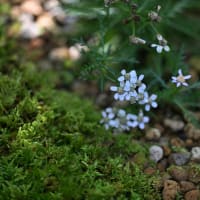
{"points": [[181, 79]]}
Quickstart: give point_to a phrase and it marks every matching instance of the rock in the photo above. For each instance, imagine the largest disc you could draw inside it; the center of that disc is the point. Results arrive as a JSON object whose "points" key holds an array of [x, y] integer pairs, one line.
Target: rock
{"points": [[179, 158], [177, 142], [189, 143], [45, 22], [171, 188], [192, 132], [192, 195], [186, 186], [162, 165], [194, 174], [76, 50], [175, 125], [178, 173], [167, 150], [196, 153], [165, 176], [59, 54], [153, 134], [32, 7], [36, 43], [30, 30], [156, 153], [164, 141]]}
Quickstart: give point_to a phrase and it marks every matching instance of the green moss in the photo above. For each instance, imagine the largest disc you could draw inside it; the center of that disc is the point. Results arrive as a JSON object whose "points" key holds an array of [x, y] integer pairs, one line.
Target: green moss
{"points": [[53, 148]]}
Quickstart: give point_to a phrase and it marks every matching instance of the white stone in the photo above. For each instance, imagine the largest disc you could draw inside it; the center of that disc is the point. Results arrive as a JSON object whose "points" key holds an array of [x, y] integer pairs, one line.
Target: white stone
{"points": [[195, 153], [156, 153]]}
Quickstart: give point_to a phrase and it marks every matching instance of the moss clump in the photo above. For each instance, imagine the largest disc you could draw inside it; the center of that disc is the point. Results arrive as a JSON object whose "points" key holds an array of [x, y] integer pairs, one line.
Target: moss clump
{"points": [[52, 147]]}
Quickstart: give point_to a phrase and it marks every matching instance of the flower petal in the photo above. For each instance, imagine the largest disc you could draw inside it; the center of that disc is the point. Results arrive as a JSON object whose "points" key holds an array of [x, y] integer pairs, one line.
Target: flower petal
{"points": [[154, 45], [104, 114], [141, 77], [153, 97], [187, 77], [147, 107], [159, 49], [154, 104], [180, 72], [109, 109], [123, 72], [111, 115], [185, 84], [146, 119], [114, 88], [141, 125], [116, 96], [121, 78], [166, 48]]}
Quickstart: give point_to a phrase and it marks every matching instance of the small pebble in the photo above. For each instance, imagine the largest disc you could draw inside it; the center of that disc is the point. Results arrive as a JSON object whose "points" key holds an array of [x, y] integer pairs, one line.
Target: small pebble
{"points": [[189, 143], [192, 195], [156, 153], [196, 153], [179, 158], [162, 165], [194, 175], [171, 189], [167, 150], [186, 186], [153, 134], [177, 142], [192, 132], [175, 125], [178, 173]]}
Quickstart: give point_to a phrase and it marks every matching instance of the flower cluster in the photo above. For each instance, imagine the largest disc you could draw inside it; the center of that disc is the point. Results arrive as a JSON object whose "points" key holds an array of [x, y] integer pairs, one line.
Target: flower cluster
{"points": [[130, 86], [119, 120], [132, 89]]}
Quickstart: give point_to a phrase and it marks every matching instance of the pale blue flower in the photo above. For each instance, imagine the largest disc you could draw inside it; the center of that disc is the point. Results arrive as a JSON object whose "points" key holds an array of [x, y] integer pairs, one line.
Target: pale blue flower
{"points": [[180, 79]]}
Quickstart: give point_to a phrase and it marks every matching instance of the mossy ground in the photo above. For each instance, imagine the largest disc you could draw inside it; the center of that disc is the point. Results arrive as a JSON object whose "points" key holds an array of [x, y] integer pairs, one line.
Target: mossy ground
{"points": [[52, 146]]}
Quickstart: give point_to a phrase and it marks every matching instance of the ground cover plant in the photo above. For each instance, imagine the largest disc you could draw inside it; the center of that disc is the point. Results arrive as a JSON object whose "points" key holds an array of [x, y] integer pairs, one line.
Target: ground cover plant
{"points": [[131, 132], [51, 143]]}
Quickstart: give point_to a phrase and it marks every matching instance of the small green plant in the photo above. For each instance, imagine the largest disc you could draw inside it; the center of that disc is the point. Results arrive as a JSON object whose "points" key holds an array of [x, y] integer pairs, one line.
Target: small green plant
{"points": [[52, 146], [126, 37]]}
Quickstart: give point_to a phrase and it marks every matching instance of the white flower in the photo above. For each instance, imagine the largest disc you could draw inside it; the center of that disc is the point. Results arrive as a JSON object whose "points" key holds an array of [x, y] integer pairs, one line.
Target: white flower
{"points": [[180, 79], [159, 48], [130, 77], [115, 119], [120, 93], [150, 101], [162, 44], [108, 116], [140, 120]]}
